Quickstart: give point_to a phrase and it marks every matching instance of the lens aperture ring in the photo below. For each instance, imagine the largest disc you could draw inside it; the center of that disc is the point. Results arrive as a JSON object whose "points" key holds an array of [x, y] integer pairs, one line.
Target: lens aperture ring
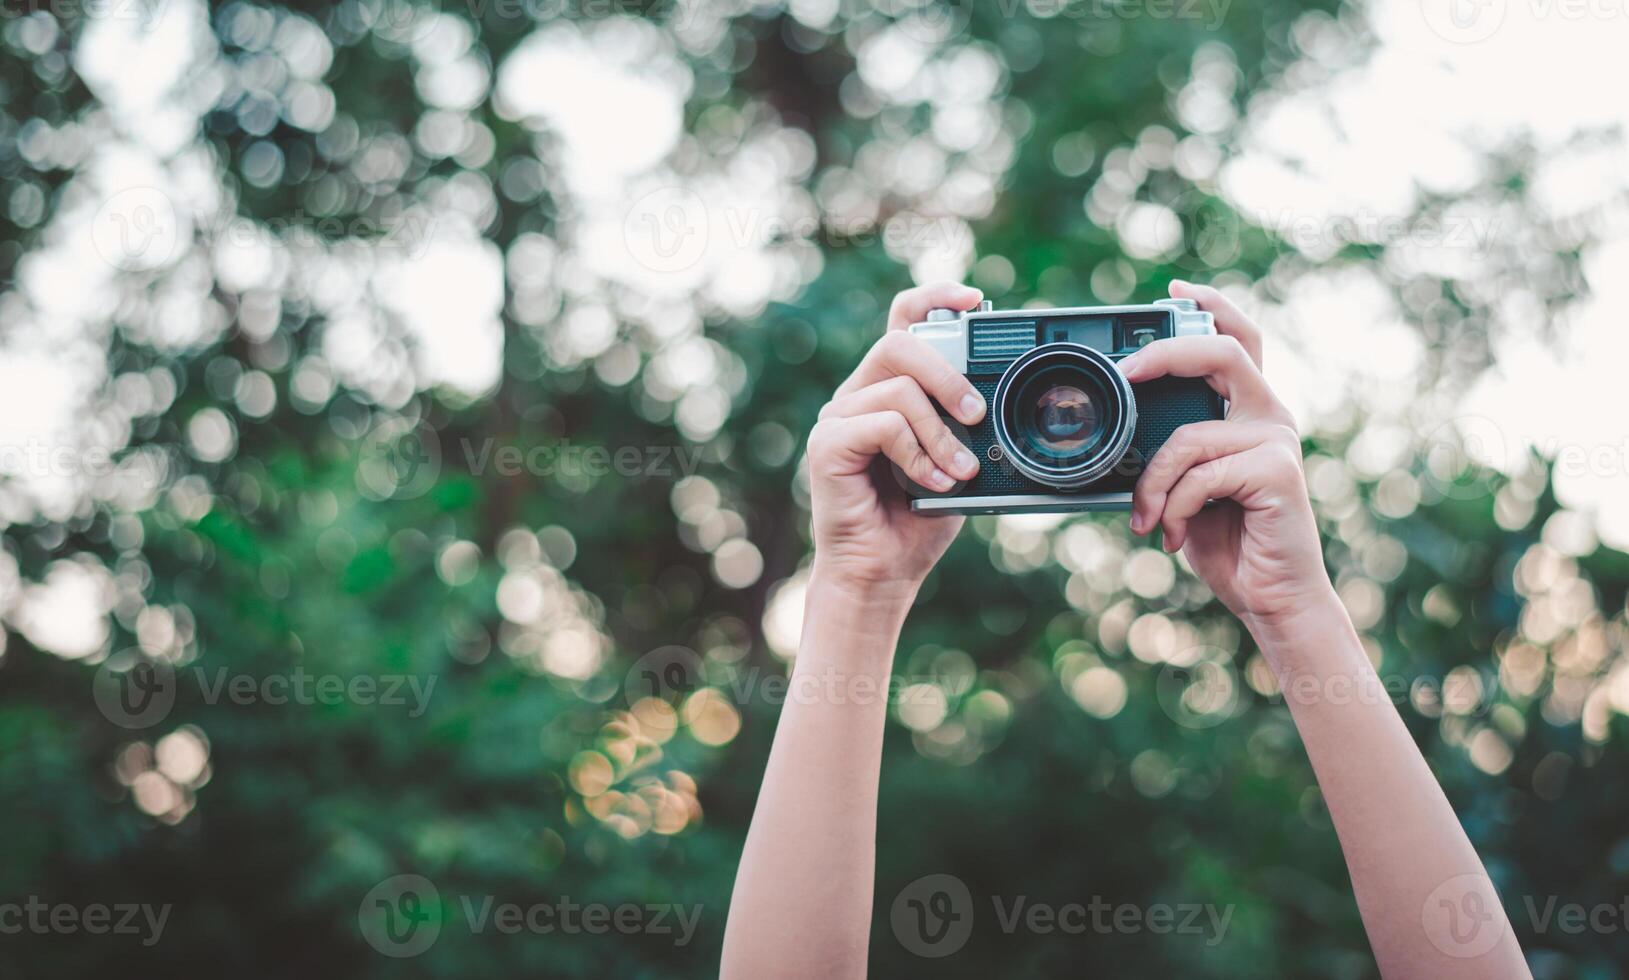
{"points": [[1097, 372]]}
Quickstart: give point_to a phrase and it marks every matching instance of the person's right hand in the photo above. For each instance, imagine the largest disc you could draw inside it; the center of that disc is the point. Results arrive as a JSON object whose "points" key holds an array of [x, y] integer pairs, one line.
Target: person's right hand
{"points": [[866, 535]]}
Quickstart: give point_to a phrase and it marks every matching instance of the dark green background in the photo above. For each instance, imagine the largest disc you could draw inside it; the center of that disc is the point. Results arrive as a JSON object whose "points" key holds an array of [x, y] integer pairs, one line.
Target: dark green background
{"points": [[308, 807]]}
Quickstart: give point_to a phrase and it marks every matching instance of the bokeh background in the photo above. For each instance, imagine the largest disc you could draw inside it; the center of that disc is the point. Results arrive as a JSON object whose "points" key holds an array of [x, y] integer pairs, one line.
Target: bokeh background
{"points": [[474, 344]]}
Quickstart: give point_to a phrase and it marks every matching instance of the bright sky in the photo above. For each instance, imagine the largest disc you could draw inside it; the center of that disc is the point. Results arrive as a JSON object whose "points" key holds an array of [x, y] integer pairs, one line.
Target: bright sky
{"points": [[1436, 89]]}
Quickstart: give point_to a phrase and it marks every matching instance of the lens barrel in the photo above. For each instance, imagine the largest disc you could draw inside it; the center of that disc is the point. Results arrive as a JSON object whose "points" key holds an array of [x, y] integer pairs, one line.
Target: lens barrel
{"points": [[1064, 415]]}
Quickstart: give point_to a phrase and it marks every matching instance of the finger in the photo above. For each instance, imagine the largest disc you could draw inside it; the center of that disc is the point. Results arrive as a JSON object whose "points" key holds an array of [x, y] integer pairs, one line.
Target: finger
{"points": [[900, 354], [905, 396], [1221, 361], [1254, 479], [912, 305], [1230, 320], [1190, 446], [846, 447]]}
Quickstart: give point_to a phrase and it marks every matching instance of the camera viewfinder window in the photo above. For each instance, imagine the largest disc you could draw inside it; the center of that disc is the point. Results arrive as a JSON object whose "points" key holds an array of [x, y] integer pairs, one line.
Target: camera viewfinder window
{"points": [[1096, 332]]}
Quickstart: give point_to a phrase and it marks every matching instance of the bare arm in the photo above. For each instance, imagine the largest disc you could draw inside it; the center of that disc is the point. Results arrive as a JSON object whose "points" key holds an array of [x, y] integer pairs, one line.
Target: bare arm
{"points": [[1427, 904], [802, 900]]}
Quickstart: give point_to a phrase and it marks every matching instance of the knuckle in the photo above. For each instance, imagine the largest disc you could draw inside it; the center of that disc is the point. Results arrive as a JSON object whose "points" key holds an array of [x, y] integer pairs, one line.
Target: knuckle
{"points": [[1184, 439], [945, 443], [1286, 435], [904, 390], [1164, 465], [1211, 473], [901, 440], [893, 345], [823, 438], [901, 300], [1155, 350], [1287, 457], [1186, 443]]}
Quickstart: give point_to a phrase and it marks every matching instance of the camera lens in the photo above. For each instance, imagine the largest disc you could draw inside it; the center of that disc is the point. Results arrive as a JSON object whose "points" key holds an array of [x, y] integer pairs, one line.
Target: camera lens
{"points": [[1064, 421], [1064, 415]]}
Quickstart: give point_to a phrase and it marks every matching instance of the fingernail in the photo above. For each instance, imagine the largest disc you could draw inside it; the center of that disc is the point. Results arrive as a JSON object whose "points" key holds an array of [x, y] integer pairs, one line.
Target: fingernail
{"points": [[1129, 364], [940, 480], [1136, 523], [965, 462], [1183, 283], [972, 406]]}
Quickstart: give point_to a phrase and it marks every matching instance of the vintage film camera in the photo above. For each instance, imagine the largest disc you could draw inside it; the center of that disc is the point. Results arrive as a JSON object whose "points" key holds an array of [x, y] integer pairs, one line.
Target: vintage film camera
{"points": [[1065, 430]]}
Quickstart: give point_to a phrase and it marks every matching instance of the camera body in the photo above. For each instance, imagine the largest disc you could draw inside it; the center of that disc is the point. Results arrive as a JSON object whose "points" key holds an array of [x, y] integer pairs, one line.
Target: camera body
{"points": [[1064, 431]]}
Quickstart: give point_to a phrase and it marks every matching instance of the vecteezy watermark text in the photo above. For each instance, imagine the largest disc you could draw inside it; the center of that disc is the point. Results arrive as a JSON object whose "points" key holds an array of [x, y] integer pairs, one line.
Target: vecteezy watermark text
{"points": [[145, 11], [567, 459], [143, 228], [1206, 690], [403, 916], [134, 692], [1104, 918], [41, 918], [933, 916]]}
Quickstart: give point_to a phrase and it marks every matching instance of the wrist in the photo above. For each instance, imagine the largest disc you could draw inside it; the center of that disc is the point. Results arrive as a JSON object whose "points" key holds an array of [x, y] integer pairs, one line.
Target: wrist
{"points": [[868, 598], [851, 625], [1315, 628]]}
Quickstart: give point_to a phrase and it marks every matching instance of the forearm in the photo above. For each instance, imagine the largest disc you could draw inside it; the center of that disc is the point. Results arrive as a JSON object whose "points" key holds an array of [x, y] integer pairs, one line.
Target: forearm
{"points": [[802, 899], [1426, 903]]}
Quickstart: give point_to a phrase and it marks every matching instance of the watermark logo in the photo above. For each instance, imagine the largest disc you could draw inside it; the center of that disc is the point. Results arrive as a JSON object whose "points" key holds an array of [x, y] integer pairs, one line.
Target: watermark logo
{"points": [[400, 459], [667, 230], [401, 916], [407, 22], [137, 229], [933, 915], [927, 21], [1209, 231], [1202, 694], [1462, 917], [132, 691], [1455, 450], [669, 673], [1464, 21]]}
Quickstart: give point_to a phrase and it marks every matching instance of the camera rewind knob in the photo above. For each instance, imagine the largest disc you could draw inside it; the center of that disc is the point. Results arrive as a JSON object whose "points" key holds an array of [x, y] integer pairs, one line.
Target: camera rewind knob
{"points": [[941, 315], [1186, 305]]}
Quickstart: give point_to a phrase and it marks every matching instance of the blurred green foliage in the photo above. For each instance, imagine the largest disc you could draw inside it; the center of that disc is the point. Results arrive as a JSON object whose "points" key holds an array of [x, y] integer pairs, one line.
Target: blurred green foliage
{"points": [[528, 785]]}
